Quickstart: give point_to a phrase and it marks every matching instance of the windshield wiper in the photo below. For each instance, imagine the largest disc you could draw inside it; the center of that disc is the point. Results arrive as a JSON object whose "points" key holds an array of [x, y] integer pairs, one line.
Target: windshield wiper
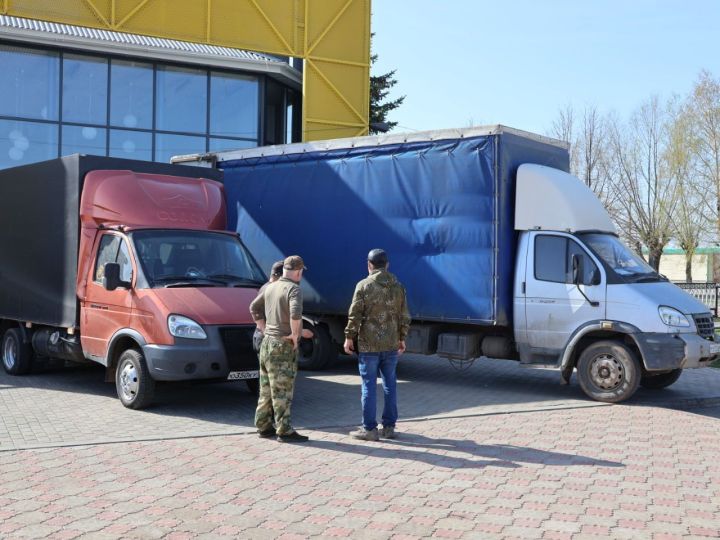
{"points": [[649, 277], [239, 279], [176, 278], [186, 281]]}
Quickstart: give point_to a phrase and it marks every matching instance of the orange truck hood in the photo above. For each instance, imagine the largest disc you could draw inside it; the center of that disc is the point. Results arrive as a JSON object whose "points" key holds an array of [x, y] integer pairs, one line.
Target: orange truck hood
{"points": [[208, 305]]}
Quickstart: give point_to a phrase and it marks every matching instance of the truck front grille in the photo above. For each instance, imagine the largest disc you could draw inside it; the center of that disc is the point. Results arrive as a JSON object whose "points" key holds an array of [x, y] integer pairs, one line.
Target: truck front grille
{"points": [[705, 325], [238, 344]]}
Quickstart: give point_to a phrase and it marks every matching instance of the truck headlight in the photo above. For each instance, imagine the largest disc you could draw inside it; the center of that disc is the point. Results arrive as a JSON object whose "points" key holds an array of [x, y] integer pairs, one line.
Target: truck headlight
{"points": [[672, 317], [184, 327]]}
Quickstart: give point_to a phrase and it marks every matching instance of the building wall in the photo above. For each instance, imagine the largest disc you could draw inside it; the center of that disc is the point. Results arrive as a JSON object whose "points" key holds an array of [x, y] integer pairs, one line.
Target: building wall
{"points": [[331, 36], [672, 265], [56, 101]]}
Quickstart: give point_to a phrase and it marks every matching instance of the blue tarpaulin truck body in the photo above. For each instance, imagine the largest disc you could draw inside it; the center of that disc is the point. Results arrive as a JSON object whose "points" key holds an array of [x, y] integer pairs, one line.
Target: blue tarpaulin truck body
{"points": [[441, 206]]}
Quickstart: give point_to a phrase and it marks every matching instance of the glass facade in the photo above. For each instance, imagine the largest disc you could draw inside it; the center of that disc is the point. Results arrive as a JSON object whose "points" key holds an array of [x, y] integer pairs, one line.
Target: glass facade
{"points": [[131, 94], [181, 99], [56, 102], [84, 89], [30, 81], [26, 142]]}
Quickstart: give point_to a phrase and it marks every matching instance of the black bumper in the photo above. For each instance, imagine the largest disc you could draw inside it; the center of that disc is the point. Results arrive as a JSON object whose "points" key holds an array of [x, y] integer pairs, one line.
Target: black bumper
{"points": [[226, 349]]}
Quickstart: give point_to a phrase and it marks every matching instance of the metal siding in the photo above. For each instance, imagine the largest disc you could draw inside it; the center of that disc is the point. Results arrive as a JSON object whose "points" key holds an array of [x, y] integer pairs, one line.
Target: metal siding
{"points": [[333, 36], [132, 39]]}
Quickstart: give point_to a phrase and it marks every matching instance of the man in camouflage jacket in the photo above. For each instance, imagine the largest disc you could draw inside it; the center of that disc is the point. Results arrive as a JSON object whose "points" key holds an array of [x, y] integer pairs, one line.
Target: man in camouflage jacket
{"points": [[277, 311], [379, 321]]}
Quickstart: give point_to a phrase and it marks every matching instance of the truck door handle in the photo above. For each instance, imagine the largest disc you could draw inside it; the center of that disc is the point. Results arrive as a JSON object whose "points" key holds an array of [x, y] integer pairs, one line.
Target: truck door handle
{"points": [[523, 287]]}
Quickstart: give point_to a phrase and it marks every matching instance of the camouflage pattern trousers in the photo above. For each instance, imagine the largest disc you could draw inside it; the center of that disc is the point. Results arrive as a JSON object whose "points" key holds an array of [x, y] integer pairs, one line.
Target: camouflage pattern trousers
{"points": [[278, 368]]}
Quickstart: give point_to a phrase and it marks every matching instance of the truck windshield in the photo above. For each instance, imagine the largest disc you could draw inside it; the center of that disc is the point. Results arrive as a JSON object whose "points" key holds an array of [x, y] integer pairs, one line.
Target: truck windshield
{"points": [[195, 258], [619, 258]]}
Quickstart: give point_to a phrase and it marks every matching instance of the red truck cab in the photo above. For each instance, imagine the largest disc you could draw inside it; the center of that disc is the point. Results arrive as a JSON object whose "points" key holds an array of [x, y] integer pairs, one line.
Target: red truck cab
{"points": [[163, 289]]}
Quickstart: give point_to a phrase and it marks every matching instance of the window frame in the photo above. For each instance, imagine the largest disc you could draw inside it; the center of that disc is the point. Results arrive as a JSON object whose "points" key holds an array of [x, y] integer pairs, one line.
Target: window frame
{"points": [[263, 82], [113, 237], [567, 240], [122, 241]]}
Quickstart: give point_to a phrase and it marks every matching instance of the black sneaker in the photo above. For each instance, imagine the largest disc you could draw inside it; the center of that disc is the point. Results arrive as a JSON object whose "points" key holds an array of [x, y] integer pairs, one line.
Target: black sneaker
{"points": [[292, 437], [267, 433]]}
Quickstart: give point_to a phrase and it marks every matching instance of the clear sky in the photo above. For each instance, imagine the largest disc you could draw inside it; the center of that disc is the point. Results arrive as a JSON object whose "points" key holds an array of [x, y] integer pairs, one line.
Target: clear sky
{"points": [[517, 62]]}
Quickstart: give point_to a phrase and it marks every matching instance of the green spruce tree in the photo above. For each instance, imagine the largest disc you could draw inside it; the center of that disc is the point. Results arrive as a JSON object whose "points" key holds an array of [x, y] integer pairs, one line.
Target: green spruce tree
{"points": [[380, 106]]}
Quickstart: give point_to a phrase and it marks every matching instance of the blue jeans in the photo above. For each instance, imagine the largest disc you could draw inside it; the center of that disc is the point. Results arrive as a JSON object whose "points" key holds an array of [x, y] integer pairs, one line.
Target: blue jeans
{"points": [[369, 364]]}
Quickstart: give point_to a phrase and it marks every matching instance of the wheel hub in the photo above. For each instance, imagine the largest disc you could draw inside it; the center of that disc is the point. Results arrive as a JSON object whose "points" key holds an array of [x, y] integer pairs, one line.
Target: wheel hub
{"points": [[128, 381], [606, 372], [10, 352]]}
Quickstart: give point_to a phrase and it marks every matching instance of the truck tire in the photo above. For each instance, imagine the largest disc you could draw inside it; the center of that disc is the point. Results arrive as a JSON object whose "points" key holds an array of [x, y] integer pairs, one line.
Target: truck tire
{"points": [[317, 352], [135, 387], [17, 356], [608, 371], [663, 380]]}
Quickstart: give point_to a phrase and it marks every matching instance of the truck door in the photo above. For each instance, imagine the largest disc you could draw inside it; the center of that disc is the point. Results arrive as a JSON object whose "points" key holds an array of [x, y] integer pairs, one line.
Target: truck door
{"points": [[555, 307], [104, 312]]}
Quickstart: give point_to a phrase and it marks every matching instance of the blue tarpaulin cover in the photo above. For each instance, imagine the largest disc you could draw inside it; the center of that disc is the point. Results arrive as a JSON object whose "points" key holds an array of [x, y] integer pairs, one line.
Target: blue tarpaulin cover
{"points": [[443, 210]]}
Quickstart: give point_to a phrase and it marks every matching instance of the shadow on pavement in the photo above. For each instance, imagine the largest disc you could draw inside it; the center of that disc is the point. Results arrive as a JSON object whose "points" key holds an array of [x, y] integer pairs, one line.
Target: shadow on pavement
{"points": [[428, 386], [438, 452]]}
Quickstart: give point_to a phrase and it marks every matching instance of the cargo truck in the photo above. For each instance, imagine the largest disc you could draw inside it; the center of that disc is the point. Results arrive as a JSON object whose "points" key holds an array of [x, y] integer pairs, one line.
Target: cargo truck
{"points": [[127, 264], [502, 252]]}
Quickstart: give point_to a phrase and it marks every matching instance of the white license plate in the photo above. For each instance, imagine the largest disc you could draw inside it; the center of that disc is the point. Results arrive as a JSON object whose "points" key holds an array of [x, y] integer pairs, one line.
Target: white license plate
{"points": [[241, 375], [714, 348]]}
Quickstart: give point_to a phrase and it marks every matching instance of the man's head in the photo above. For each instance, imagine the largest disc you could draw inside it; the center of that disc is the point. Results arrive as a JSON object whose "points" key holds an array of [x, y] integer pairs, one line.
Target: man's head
{"points": [[377, 259], [293, 267], [277, 270]]}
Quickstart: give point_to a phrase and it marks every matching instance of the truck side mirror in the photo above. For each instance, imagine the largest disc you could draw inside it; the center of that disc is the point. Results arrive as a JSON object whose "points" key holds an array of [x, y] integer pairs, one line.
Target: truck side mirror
{"points": [[111, 279], [576, 269]]}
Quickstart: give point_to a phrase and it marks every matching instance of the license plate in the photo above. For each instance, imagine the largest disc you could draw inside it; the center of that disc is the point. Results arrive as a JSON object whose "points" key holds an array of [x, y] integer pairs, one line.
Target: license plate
{"points": [[241, 375], [714, 348]]}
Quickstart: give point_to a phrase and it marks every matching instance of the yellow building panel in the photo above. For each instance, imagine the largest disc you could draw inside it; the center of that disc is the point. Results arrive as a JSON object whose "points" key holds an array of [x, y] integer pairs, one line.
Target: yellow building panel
{"points": [[68, 11], [255, 25], [337, 69], [333, 36], [156, 17], [336, 37]]}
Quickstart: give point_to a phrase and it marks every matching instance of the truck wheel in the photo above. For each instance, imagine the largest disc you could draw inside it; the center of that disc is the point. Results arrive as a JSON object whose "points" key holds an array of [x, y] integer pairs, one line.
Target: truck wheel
{"points": [[317, 352], [17, 356], [135, 386], [608, 371], [663, 380]]}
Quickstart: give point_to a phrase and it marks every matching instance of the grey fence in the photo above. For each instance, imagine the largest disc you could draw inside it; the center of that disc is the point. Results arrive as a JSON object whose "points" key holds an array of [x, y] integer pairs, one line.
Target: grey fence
{"points": [[707, 293]]}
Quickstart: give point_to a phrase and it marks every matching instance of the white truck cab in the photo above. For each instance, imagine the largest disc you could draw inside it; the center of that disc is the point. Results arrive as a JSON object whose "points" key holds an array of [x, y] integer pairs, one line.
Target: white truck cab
{"points": [[584, 300]]}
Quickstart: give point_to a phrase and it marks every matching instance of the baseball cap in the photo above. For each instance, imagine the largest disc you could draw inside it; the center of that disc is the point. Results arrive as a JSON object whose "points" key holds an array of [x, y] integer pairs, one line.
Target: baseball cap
{"points": [[294, 262], [378, 257], [277, 268]]}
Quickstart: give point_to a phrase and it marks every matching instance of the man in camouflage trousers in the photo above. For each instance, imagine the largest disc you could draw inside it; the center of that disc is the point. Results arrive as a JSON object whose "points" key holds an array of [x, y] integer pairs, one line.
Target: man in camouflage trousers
{"points": [[379, 321], [277, 311]]}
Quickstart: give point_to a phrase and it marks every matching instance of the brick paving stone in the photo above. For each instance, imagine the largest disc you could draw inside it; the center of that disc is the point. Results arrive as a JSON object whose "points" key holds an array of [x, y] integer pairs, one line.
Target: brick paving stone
{"points": [[499, 473]]}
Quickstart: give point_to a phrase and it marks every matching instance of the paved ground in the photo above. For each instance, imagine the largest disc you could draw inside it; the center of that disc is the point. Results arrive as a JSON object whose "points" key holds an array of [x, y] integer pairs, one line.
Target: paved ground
{"points": [[75, 406], [493, 451]]}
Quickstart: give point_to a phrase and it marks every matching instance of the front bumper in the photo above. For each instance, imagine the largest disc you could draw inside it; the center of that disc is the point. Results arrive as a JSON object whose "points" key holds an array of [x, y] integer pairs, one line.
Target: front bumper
{"points": [[226, 349], [663, 352]]}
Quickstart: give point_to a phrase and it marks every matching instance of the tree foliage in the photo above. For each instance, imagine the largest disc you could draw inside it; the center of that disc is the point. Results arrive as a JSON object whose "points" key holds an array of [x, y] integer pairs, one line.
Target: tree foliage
{"points": [[658, 172], [380, 105]]}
